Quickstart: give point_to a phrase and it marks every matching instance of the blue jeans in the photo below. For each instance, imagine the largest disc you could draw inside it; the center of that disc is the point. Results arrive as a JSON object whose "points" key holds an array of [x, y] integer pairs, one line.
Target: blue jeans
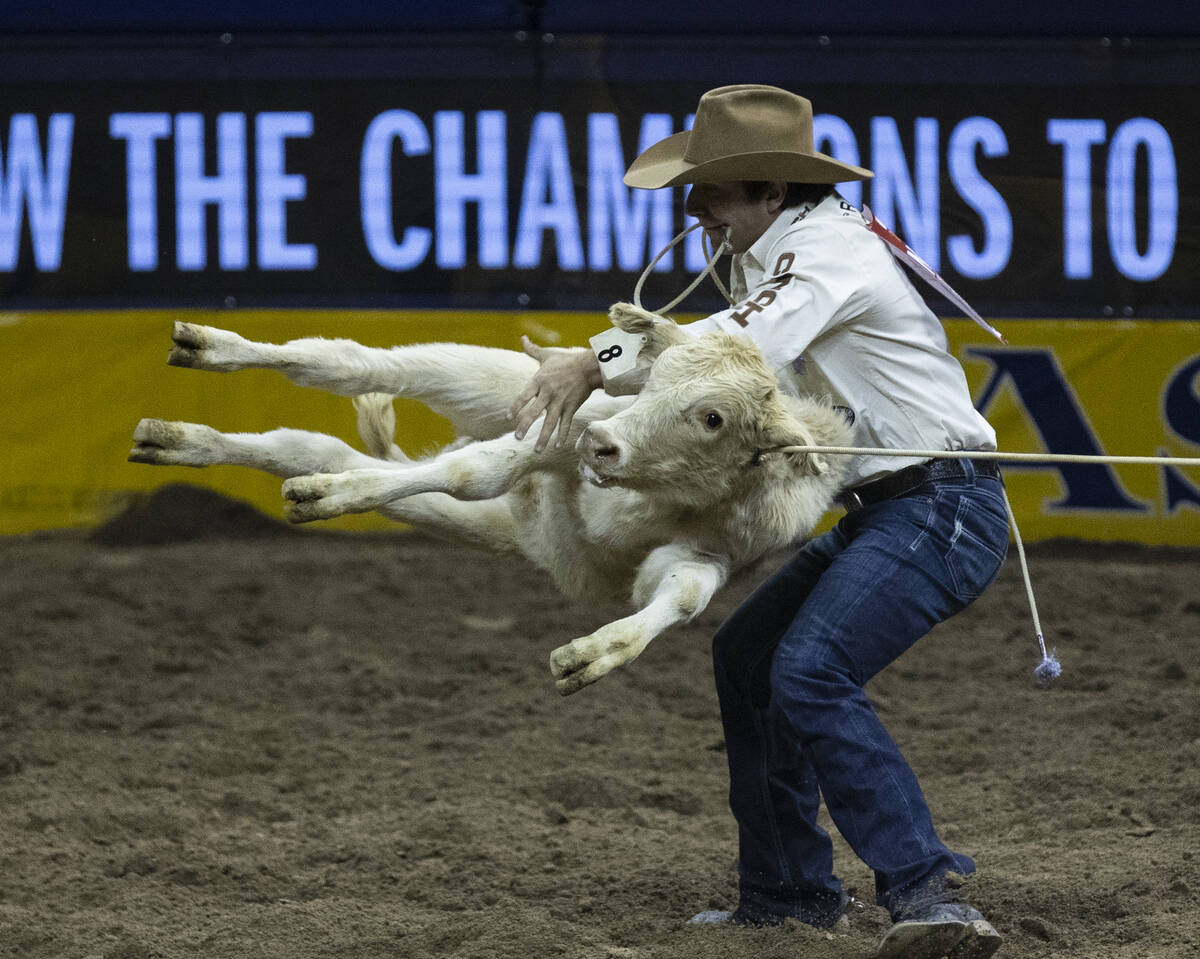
{"points": [[790, 666]]}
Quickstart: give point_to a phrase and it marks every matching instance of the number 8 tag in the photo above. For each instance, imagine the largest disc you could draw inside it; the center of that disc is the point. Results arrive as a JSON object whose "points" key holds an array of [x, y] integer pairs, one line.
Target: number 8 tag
{"points": [[617, 352]]}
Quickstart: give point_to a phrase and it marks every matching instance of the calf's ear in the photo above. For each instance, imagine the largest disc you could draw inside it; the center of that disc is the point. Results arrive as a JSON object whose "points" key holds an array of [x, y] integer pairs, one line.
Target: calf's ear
{"points": [[660, 332], [782, 430], [632, 319]]}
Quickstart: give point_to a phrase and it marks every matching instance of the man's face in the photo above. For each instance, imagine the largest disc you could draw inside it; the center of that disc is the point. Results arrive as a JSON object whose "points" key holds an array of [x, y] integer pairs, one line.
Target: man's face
{"points": [[721, 205]]}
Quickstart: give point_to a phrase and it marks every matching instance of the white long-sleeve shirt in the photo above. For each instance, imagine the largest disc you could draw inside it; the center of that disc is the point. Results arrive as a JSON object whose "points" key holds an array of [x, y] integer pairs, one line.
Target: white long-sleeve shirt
{"points": [[836, 316]]}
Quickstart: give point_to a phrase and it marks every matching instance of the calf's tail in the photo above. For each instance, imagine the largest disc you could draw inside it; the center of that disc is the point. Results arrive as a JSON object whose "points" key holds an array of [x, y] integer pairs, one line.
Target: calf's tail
{"points": [[377, 426]]}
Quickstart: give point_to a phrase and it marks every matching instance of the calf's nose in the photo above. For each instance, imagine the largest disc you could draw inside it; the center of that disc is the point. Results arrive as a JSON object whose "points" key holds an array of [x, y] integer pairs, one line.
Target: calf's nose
{"points": [[598, 448]]}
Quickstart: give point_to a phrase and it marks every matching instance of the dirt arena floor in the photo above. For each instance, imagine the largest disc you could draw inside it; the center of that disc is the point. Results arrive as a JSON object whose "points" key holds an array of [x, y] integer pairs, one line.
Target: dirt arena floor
{"points": [[298, 744]]}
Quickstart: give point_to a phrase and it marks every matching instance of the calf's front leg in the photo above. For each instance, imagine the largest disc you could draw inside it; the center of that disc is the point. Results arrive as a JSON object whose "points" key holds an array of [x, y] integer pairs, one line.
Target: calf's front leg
{"points": [[282, 452], [675, 583], [287, 453]]}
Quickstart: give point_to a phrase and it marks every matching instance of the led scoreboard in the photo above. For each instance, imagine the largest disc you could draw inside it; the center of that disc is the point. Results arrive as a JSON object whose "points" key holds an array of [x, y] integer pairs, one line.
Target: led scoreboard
{"points": [[1058, 179]]}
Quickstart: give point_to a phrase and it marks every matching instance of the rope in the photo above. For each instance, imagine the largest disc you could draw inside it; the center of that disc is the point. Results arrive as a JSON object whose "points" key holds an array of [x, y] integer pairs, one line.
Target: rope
{"points": [[991, 455], [1049, 669], [707, 271], [706, 241]]}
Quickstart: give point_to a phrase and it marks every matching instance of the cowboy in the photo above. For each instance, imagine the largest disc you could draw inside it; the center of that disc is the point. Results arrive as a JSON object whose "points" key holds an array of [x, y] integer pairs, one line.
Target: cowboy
{"points": [[836, 316]]}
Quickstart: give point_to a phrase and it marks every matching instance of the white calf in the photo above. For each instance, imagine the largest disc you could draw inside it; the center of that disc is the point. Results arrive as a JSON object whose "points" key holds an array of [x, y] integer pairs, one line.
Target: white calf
{"points": [[683, 487]]}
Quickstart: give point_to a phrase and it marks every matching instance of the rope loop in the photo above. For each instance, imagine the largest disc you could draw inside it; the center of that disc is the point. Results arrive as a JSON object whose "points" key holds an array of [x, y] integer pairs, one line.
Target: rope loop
{"points": [[707, 271]]}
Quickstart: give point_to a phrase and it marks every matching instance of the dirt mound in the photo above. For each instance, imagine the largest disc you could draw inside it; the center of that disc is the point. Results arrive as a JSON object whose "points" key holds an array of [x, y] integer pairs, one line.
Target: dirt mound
{"points": [[182, 513]]}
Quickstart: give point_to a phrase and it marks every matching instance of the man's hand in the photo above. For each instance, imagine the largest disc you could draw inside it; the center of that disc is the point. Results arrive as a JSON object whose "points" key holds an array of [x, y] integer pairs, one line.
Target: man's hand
{"points": [[566, 379]]}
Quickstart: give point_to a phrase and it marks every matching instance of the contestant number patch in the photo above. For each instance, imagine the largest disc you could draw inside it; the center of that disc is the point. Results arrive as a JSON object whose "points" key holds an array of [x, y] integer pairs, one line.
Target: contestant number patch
{"points": [[617, 352]]}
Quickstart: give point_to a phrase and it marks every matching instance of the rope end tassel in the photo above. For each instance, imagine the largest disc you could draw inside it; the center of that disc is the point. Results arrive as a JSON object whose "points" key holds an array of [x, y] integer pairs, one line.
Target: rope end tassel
{"points": [[1049, 669]]}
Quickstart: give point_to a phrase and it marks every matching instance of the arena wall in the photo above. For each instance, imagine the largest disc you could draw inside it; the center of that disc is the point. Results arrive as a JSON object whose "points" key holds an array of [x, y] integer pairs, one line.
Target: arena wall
{"points": [[460, 179], [76, 383]]}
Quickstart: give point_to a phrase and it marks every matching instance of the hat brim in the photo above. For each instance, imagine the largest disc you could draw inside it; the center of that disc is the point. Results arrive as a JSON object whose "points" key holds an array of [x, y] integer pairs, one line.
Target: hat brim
{"points": [[663, 165]]}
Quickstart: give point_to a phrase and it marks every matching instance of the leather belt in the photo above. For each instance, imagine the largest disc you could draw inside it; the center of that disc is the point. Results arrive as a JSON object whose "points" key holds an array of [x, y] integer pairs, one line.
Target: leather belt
{"points": [[904, 481]]}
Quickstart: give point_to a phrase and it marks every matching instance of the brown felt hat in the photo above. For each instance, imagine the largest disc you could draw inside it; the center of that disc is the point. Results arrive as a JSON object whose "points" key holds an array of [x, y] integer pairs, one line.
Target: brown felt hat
{"points": [[743, 132]]}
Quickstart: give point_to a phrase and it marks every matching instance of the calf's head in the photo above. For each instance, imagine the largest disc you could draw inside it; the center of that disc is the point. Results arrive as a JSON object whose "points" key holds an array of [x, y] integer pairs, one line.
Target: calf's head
{"points": [[708, 412]]}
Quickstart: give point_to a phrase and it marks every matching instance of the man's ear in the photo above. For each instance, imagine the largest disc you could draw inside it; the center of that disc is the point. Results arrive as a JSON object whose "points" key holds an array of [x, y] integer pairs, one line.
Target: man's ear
{"points": [[776, 195]]}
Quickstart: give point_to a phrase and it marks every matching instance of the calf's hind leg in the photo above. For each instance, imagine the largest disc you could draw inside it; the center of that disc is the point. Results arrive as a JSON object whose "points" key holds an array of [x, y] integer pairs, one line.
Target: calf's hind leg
{"points": [[472, 386], [480, 471]]}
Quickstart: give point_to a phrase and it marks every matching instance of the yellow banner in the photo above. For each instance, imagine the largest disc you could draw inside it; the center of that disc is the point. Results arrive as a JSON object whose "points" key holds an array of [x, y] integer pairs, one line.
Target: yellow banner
{"points": [[1097, 387], [73, 386]]}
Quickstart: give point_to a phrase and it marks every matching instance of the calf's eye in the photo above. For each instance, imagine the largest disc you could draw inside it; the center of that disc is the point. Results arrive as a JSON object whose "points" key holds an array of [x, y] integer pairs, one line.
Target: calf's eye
{"points": [[713, 421]]}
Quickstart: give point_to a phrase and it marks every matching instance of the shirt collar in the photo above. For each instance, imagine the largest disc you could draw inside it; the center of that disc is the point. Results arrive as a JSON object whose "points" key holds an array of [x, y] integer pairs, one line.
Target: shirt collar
{"points": [[755, 258]]}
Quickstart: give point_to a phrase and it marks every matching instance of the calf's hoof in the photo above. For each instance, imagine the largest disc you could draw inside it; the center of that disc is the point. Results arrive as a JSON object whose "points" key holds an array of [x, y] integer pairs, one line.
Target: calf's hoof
{"points": [[309, 498], [302, 513], [162, 443], [303, 489], [572, 668], [199, 347], [188, 341]]}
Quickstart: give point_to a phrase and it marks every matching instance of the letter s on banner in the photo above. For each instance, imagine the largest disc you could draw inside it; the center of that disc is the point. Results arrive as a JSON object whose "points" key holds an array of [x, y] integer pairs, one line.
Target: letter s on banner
{"points": [[1181, 401], [985, 199]]}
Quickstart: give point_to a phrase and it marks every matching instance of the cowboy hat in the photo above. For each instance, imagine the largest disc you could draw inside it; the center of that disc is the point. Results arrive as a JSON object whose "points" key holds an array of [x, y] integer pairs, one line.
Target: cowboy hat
{"points": [[743, 132]]}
